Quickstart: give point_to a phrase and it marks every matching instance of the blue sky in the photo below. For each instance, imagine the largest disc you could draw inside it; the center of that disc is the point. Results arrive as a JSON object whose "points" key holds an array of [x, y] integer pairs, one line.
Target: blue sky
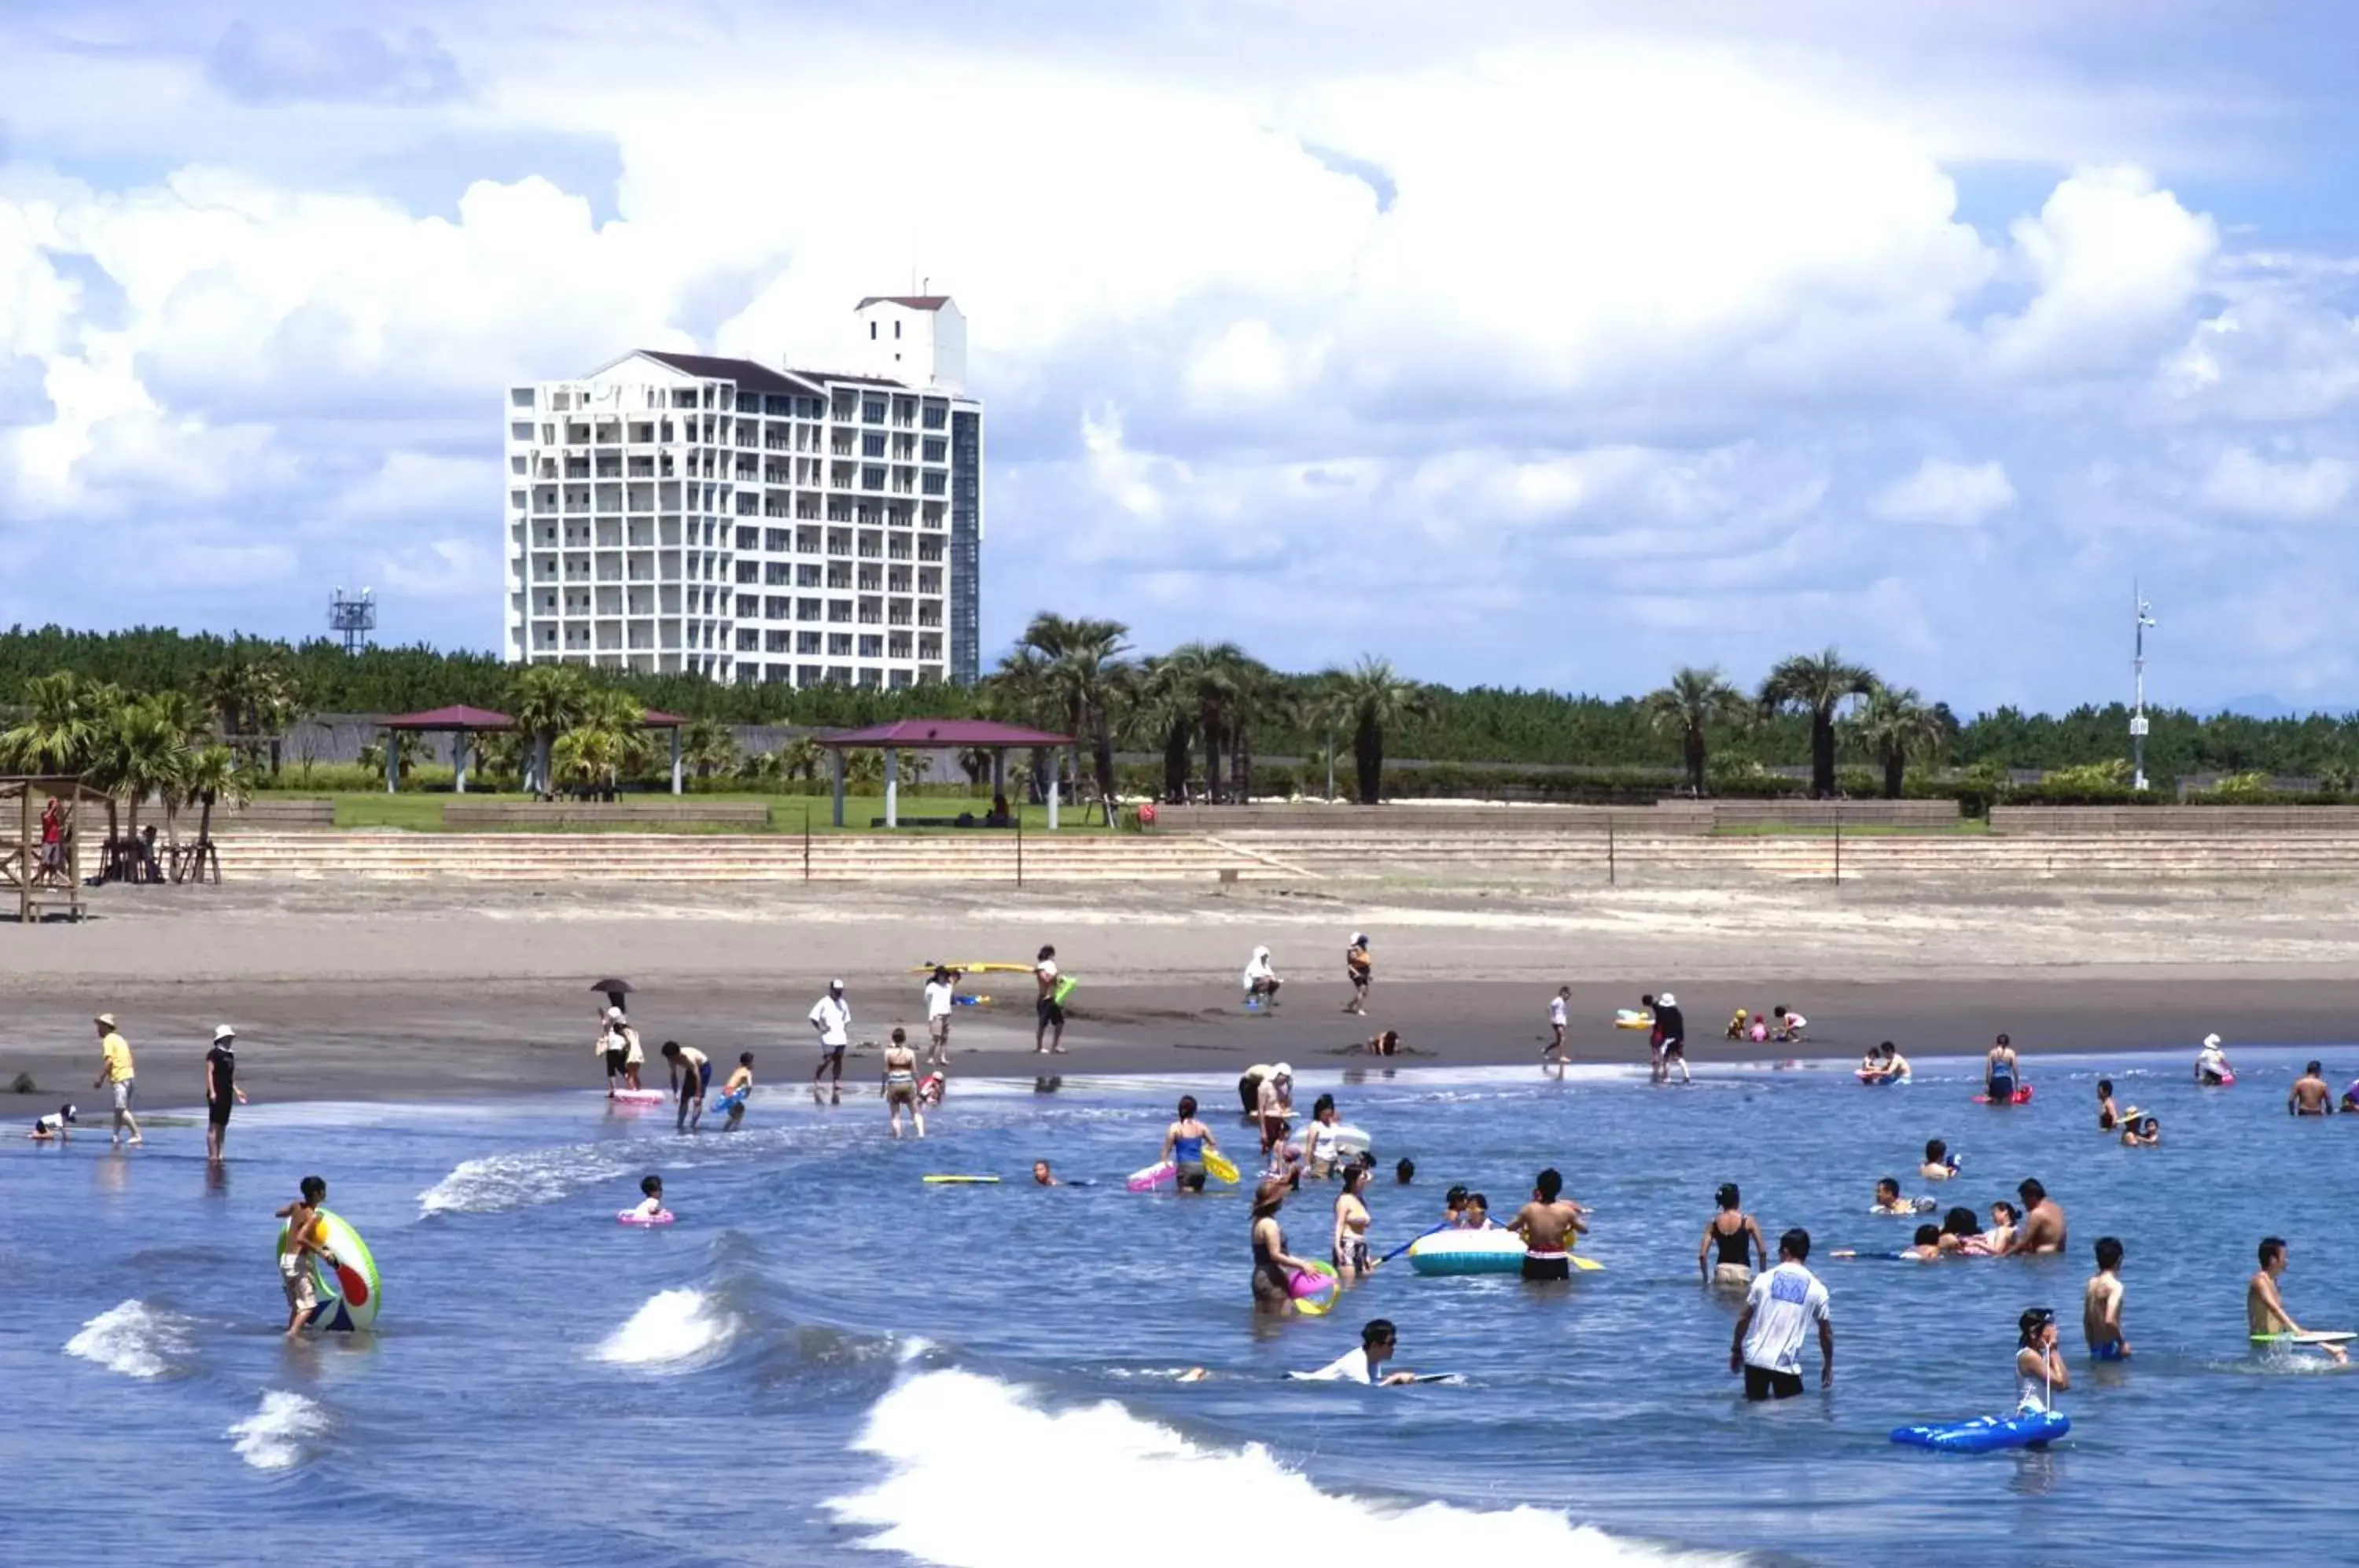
{"points": [[1522, 343]]}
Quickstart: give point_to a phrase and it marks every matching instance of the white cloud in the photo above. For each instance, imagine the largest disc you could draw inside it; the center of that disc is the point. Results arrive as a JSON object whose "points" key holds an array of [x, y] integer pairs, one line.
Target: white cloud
{"points": [[1955, 494], [2116, 263], [2296, 490]]}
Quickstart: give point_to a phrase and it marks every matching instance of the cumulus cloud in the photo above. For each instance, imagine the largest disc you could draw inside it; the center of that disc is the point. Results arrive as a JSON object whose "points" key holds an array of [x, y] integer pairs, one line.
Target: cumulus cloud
{"points": [[2116, 263], [1955, 495], [2294, 490]]}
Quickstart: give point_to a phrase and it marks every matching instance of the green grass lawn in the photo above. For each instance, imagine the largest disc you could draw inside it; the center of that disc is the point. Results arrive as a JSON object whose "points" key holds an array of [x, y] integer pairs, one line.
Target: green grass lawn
{"points": [[423, 813]]}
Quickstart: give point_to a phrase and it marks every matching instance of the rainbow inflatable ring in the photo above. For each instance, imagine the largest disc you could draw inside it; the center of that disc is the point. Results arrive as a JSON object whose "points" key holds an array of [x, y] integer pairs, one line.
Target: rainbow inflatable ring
{"points": [[350, 1293]]}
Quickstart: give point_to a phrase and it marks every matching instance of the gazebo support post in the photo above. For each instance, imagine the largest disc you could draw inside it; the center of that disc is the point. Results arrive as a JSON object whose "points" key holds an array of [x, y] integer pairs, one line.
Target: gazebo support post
{"points": [[998, 772], [393, 762], [459, 743], [892, 788], [1052, 797], [836, 768], [675, 760]]}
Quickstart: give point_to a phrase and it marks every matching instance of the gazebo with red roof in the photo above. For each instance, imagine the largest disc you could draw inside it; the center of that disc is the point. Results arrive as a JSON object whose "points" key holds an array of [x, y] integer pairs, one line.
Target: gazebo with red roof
{"points": [[939, 735], [459, 721]]}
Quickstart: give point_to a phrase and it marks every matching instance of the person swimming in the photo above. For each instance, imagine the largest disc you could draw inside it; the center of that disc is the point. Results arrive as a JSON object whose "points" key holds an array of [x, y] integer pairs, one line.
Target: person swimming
{"points": [[1888, 1199], [1962, 1233], [651, 1199], [2108, 1117], [2004, 1218], [1940, 1163], [2139, 1129]]}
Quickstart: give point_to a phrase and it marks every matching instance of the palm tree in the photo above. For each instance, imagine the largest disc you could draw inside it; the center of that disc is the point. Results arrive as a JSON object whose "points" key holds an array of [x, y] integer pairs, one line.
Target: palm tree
{"points": [[1371, 699], [587, 757], [60, 728], [212, 777], [1084, 676], [1893, 725], [1018, 692], [801, 757], [1164, 714], [547, 699], [709, 748], [1818, 684], [142, 751], [1198, 683], [1256, 696], [1692, 703]]}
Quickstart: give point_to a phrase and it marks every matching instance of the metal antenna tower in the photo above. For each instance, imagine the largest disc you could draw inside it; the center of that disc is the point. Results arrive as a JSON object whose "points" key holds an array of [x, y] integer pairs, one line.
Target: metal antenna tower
{"points": [[353, 618], [2138, 681]]}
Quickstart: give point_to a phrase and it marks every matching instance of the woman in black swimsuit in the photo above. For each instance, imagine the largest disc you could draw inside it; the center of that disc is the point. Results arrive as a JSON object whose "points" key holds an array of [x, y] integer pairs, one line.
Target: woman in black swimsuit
{"points": [[1274, 1267], [1732, 1232]]}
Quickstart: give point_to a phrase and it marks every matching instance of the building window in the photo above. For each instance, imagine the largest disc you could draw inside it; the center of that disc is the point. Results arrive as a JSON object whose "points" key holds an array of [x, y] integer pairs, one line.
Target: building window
{"points": [[839, 644], [872, 411]]}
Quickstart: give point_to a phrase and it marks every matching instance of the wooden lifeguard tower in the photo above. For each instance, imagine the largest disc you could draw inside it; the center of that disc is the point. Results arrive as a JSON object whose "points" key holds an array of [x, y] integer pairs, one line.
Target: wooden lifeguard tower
{"points": [[46, 879]]}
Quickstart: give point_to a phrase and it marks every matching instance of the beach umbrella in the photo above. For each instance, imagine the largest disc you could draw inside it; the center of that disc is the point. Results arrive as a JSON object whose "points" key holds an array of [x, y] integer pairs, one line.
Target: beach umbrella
{"points": [[611, 988]]}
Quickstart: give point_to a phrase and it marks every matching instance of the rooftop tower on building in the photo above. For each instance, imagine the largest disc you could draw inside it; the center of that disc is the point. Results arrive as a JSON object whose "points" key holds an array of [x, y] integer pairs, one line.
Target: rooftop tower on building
{"points": [[681, 512]]}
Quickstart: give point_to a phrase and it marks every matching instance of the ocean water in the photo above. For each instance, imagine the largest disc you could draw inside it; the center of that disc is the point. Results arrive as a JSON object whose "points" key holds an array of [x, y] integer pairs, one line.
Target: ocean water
{"points": [[826, 1361]]}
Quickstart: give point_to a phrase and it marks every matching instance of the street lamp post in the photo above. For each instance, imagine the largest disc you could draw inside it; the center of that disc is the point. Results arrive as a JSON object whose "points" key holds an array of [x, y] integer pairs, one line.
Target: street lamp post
{"points": [[2138, 680]]}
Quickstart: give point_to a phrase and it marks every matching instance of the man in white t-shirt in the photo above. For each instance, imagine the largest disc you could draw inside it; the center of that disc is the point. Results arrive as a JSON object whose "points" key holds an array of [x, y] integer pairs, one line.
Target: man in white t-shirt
{"points": [[832, 1017], [1779, 1312], [941, 992], [1558, 1006], [1365, 1365]]}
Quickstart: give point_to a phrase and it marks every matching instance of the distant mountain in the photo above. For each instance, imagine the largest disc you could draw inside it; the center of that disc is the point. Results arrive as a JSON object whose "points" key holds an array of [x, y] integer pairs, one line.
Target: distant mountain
{"points": [[2263, 706]]}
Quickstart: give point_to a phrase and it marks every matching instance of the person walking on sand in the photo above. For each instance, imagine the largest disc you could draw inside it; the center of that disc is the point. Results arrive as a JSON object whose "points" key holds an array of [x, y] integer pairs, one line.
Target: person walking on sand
{"points": [[2101, 1305], [1672, 1026], [1049, 1014], [116, 1072], [1548, 1225], [1736, 1237], [1559, 1013], [830, 1019], [941, 1001], [1779, 1312], [2265, 1311], [1359, 969], [220, 1090], [901, 1082], [692, 1078]]}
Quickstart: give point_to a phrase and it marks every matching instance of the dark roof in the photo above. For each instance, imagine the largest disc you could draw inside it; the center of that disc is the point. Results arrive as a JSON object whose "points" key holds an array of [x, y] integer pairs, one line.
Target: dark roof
{"points": [[745, 372], [818, 376], [921, 734], [654, 720], [914, 302], [457, 717]]}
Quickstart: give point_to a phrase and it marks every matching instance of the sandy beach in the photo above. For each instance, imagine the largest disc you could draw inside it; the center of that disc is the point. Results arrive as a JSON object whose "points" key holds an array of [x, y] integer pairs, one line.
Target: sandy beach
{"points": [[425, 991]]}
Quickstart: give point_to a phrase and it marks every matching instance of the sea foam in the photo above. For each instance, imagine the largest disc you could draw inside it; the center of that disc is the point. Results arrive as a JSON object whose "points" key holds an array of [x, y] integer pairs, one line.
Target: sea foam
{"points": [[134, 1339], [282, 1432], [967, 1453], [521, 1178], [673, 1331]]}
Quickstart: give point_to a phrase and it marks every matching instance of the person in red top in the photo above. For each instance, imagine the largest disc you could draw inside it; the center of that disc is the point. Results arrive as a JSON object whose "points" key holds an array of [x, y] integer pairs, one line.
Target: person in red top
{"points": [[53, 836]]}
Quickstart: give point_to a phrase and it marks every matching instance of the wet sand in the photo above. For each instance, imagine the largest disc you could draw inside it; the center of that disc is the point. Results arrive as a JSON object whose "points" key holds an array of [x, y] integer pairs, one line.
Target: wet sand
{"points": [[415, 993]]}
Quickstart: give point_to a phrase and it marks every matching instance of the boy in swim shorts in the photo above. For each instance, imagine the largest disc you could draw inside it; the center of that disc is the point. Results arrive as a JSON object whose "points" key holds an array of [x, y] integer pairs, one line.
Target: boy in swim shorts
{"points": [[304, 1239], [738, 1090], [2101, 1305]]}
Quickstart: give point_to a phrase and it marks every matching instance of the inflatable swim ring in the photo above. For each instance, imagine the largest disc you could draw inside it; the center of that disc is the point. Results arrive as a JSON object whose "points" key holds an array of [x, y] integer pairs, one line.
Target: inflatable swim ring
{"points": [[2206, 1080], [349, 1292], [1317, 1281], [640, 1096], [1987, 1434], [1064, 988], [1878, 1080], [1350, 1140], [633, 1216], [1219, 1167], [728, 1103], [964, 1181], [1468, 1252], [1633, 1018], [1158, 1174], [2022, 1097]]}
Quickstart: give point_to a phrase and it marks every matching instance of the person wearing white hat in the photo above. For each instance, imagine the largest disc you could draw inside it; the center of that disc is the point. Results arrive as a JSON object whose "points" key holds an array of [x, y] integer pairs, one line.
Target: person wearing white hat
{"points": [[832, 1017], [220, 1090], [1261, 979], [2212, 1069], [1358, 969], [1671, 1028]]}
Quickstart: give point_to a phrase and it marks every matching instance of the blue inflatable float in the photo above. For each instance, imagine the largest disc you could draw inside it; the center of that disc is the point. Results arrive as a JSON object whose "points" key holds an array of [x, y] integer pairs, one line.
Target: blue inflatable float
{"points": [[2026, 1428]]}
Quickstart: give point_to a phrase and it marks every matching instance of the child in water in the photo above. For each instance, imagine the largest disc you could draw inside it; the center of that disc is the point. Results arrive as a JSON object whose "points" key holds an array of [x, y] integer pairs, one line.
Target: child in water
{"points": [[2038, 1363], [738, 1090], [652, 1205]]}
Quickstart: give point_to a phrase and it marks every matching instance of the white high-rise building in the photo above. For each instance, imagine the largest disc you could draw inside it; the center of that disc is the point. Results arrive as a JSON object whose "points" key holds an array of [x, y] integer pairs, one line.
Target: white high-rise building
{"points": [[683, 512]]}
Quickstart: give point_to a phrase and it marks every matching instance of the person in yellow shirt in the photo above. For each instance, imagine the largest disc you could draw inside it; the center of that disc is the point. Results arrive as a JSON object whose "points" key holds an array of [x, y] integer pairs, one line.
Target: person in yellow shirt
{"points": [[114, 1070]]}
